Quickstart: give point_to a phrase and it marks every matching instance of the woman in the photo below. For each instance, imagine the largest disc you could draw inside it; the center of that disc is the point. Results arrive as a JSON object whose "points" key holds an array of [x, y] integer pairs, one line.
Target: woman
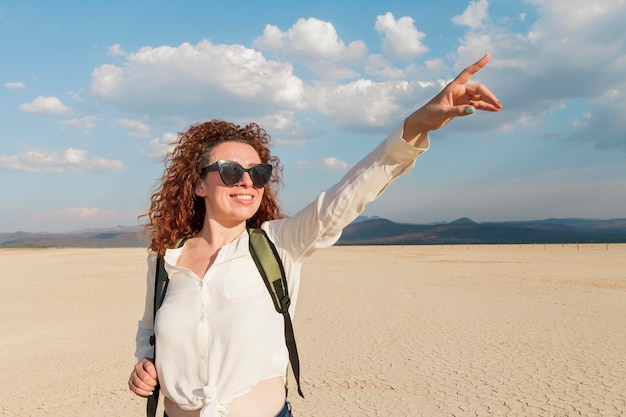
{"points": [[221, 343]]}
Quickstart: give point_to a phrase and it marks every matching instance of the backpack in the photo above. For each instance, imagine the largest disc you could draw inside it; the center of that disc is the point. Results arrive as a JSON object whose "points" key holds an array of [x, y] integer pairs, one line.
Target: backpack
{"points": [[270, 267]]}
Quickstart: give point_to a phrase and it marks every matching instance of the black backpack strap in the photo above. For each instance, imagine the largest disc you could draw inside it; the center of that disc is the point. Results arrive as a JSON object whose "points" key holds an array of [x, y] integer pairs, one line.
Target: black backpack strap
{"points": [[153, 402], [160, 282], [271, 269], [160, 287]]}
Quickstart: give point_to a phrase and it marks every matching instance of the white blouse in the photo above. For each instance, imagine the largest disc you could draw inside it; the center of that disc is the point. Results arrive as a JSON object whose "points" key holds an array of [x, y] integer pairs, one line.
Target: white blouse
{"points": [[218, 336]]}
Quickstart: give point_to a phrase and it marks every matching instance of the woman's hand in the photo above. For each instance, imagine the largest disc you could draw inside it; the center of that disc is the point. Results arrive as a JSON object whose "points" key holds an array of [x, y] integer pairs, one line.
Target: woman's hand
{"points": [[457, 99], [143, 379]]}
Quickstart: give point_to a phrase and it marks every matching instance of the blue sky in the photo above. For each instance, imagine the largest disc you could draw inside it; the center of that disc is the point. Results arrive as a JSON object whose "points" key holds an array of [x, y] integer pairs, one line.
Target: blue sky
{"points": [[91, 93]]}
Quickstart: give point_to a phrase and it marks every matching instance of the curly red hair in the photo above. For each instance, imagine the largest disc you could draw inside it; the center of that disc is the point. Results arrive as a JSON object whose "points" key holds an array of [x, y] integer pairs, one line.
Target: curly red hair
{"points": [[175, 210]]}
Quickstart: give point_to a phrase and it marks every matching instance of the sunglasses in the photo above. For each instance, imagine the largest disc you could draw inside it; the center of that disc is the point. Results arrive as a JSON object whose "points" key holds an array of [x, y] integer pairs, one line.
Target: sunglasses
{"points": [[232, 173]]}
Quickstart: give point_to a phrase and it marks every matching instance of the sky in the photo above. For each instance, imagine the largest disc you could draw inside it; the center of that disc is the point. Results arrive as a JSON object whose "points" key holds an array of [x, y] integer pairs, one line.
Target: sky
{"points": [[93, 93]]}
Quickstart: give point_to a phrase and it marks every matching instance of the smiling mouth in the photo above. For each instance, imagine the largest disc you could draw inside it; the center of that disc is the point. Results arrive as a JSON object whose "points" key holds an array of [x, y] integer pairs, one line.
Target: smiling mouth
{"points": [[242, 197]]}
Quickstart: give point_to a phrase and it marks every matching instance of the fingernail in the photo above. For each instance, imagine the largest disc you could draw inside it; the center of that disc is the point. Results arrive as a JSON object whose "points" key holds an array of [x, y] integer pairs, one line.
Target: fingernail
{"points": [[469, 110]]}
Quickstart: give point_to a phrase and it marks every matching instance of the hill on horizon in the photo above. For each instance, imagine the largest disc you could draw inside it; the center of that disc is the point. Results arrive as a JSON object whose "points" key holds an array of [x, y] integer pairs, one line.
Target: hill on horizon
{"points": [[467, 231], [371, 231], [114, 237]]}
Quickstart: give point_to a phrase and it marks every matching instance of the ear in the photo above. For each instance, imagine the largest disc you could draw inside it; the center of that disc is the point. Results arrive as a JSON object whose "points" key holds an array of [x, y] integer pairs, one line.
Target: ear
{"points": [[200, 189]]}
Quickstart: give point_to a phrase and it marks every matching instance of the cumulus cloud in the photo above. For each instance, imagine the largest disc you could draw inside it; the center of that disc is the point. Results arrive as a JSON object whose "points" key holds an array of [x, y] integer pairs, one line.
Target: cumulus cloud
{"points": [[316, 44], [327, 164], [14, 85], [597, 18], [84, 123], [284, 129], [474, 15], [365, 104], [45, 105], [400, 37], [116, 50], [380, 67], [159, 147], [135, 128], [603, 123], [198, 80], [282, 121], [573, 52], [72, 159], [235, 82]]}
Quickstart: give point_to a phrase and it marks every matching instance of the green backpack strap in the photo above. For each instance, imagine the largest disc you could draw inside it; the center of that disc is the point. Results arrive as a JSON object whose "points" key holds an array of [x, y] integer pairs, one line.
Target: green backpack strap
{"points": [[271, 269], [160, 287]]}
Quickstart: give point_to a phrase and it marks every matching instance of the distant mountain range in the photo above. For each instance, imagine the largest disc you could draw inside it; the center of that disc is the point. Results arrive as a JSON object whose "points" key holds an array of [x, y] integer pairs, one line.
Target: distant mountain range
{"points": [[114, 237], [372, 231], [378, 231]]}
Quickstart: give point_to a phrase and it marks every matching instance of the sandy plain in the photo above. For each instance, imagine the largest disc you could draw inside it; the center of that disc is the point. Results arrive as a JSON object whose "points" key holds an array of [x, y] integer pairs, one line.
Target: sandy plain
{"points": [[508, 330]]}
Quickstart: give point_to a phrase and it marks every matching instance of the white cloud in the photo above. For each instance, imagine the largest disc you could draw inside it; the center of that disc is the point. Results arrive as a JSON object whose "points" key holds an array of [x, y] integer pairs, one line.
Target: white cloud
{"points": [[317, 45], [284, 129], [106, 80], [91, 213], [365, 104], [327, 164], [289, 142], [159, 147], [474, 15], [435, 66], [400, 37], [72, 159], [603, 123], [282, 121], [190, 80], [572, 52], [578, 17], [378, 66], [51, 105], [568, 53], [116, 50], [583, 120], [135, 128], [76, 95], [272, 38], [14, 85], [84, 123]]}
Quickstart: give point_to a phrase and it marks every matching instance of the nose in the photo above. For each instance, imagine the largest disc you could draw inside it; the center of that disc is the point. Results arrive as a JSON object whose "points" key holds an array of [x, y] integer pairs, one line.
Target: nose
{"points": [[246, 180]]}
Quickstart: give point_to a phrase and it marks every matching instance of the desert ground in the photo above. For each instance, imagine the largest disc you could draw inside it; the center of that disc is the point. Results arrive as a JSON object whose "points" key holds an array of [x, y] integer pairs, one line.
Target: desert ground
{"points": [[478, 330]]}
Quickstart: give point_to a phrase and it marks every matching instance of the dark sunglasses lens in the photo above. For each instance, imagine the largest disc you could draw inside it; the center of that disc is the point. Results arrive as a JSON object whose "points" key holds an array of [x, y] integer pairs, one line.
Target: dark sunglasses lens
{"points": [[260, 175], [231, 174]]}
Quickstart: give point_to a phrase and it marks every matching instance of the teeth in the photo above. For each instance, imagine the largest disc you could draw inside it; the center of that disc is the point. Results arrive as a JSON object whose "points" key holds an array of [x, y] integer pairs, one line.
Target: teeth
{"points": [[243, 197]]}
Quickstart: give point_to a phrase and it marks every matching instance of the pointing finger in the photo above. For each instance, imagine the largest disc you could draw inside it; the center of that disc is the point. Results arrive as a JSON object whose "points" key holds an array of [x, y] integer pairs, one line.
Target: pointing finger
{"points": [[468, 72]]}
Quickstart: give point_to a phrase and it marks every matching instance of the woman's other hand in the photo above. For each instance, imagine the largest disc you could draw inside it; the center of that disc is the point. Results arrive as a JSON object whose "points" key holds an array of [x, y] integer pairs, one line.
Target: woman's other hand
{"points": [[143, 379]]}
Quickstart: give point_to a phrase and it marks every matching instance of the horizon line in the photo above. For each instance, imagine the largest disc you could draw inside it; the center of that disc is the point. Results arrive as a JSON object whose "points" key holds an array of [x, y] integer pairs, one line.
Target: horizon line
{"points": [[364, 218]]}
